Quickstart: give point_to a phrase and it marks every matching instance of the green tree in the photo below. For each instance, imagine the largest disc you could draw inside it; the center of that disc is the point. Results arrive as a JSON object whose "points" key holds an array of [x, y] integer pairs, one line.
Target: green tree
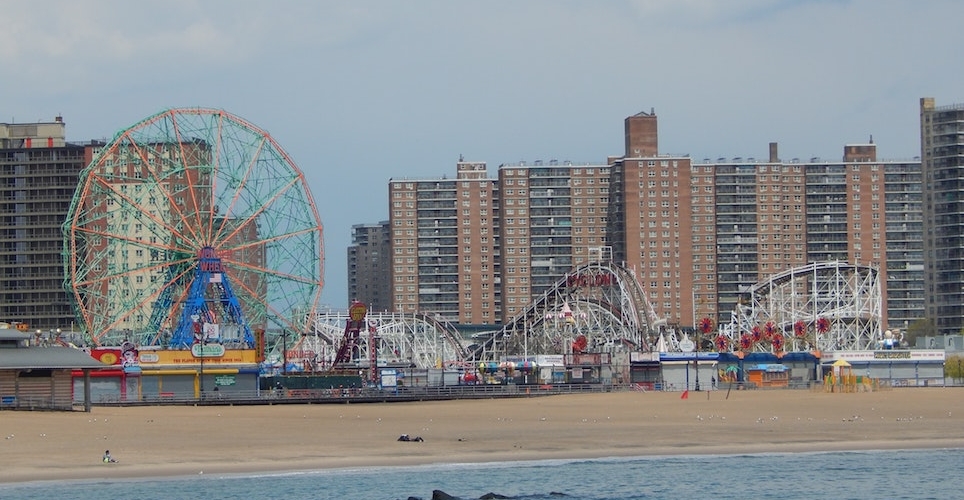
{"points": [[953, 368], [923, 327]]}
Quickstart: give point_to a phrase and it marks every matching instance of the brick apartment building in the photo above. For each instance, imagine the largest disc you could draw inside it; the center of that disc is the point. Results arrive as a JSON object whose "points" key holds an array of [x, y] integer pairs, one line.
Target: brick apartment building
{"points": [[476, 250]]}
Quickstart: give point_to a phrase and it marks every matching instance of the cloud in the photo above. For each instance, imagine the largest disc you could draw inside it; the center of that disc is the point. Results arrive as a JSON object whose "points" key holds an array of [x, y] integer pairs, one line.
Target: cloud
{"points": [[360, 92]]}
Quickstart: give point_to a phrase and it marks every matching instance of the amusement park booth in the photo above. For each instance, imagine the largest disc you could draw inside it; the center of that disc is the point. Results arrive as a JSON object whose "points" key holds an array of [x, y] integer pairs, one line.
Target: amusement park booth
{"points": [[39, 377], [589, 368], [768, 375], [142, 374], [682, 370], [541, 369], [898, 367], [764, 369], [645, 370]]}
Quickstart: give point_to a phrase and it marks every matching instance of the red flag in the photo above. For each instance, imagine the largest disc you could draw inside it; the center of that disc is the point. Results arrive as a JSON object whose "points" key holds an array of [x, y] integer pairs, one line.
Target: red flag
{"points": [[685, 395]]}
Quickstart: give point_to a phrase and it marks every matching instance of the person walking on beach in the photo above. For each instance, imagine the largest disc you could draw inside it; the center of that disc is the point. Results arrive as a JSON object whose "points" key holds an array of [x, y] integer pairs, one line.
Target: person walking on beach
{"points": [[108, 459]]}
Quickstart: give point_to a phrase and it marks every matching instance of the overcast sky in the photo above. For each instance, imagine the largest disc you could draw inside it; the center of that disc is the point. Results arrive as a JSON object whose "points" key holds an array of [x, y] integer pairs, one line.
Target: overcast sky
{"points": [[358, 92]]}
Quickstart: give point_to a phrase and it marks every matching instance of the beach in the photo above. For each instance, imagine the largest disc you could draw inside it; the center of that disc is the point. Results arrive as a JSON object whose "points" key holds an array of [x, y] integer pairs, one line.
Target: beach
{"points": [[186, 440]]}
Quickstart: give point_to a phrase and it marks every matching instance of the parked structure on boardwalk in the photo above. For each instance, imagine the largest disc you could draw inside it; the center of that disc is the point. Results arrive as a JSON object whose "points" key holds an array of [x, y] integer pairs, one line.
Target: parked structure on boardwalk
{"points": [[39, 377]]}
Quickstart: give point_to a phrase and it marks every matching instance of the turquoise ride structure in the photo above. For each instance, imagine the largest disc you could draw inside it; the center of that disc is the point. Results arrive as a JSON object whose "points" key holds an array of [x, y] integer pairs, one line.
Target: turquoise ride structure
{"points": [[192, 226]]}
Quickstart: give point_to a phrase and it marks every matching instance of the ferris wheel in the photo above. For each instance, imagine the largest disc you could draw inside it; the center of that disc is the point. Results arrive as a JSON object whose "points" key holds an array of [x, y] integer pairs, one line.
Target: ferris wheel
{"points": [[192, 224]]}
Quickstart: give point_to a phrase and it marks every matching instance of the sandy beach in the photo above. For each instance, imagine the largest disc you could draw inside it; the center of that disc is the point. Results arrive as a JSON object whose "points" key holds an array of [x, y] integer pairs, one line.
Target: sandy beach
{"points": [[182, 440]]}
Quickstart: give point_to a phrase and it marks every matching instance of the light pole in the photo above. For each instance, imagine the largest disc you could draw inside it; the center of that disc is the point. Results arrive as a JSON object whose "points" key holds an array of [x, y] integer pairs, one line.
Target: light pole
{"points": [[200, 379], [697, 362], [705, 326], [284, 351]]}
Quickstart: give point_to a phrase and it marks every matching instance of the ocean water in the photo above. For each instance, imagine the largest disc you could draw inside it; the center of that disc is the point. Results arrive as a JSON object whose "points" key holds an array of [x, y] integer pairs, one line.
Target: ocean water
{"points": [[863, 475]]}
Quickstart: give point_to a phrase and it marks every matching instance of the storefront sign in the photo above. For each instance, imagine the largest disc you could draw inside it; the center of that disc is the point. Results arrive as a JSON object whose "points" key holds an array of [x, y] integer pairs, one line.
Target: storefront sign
{"points": [[149, 357], [207, 350]]}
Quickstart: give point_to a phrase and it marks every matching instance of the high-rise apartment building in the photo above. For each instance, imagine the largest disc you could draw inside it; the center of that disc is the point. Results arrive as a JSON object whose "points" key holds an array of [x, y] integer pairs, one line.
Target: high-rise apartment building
{"points": [[369, 264], [445, 246], [553, 216], [38, 176], [699, 234], [649, 222], [942, 161], [904, 226], [477, 250], [867, 211], [696, 234]]}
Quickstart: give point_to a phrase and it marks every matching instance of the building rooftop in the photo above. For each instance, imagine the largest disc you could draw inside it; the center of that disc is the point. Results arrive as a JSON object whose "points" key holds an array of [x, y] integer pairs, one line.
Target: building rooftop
{"points": [[17, 354]]}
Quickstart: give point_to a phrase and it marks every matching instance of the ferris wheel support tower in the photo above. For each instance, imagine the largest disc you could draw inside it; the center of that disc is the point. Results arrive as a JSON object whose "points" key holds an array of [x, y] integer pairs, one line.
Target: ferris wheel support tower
{"points": [[210, 290]]}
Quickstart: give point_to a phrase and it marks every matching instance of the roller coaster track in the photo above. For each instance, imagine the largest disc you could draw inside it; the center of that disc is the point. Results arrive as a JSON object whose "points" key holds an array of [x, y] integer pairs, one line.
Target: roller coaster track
{"points": [[826, 306], [601, 301], [400, 339]]}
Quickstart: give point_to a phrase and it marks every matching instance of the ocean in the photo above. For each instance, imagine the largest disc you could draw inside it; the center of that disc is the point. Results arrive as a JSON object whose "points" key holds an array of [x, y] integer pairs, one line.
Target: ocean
{"points": [[860, 475]]}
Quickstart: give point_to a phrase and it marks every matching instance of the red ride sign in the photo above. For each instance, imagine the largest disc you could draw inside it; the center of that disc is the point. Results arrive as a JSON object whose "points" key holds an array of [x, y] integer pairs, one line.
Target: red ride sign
{"points": [[357, 311]]}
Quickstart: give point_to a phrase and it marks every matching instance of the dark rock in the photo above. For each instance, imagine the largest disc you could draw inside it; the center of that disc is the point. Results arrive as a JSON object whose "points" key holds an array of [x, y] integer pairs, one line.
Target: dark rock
{"points": [[492, 496], [441, 495]]}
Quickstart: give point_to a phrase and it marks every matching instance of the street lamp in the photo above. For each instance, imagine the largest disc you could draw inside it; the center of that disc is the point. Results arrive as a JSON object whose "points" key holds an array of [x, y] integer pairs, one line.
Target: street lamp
{"points": [[697, 362], [284, 351], [201, 376], [57, 338], [705, 326]]}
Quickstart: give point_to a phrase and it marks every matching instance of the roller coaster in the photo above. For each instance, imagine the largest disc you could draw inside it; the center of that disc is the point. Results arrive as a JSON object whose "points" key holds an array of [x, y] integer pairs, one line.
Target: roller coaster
{"points": [[597, 307], [823, 306], [600, 307]]}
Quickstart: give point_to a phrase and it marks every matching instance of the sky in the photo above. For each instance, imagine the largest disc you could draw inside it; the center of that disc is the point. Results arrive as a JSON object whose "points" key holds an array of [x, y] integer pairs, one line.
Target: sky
{"points": [[360, 92]]}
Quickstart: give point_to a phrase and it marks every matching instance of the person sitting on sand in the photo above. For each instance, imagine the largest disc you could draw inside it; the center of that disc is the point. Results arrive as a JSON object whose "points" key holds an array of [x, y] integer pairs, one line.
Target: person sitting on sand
{"points": [[108, 459]]}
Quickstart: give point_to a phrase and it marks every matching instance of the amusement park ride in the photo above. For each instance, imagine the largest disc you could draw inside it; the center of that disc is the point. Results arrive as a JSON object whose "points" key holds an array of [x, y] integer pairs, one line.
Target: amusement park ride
{"points": [[600, 307], [197, 323], [193, 226]]}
